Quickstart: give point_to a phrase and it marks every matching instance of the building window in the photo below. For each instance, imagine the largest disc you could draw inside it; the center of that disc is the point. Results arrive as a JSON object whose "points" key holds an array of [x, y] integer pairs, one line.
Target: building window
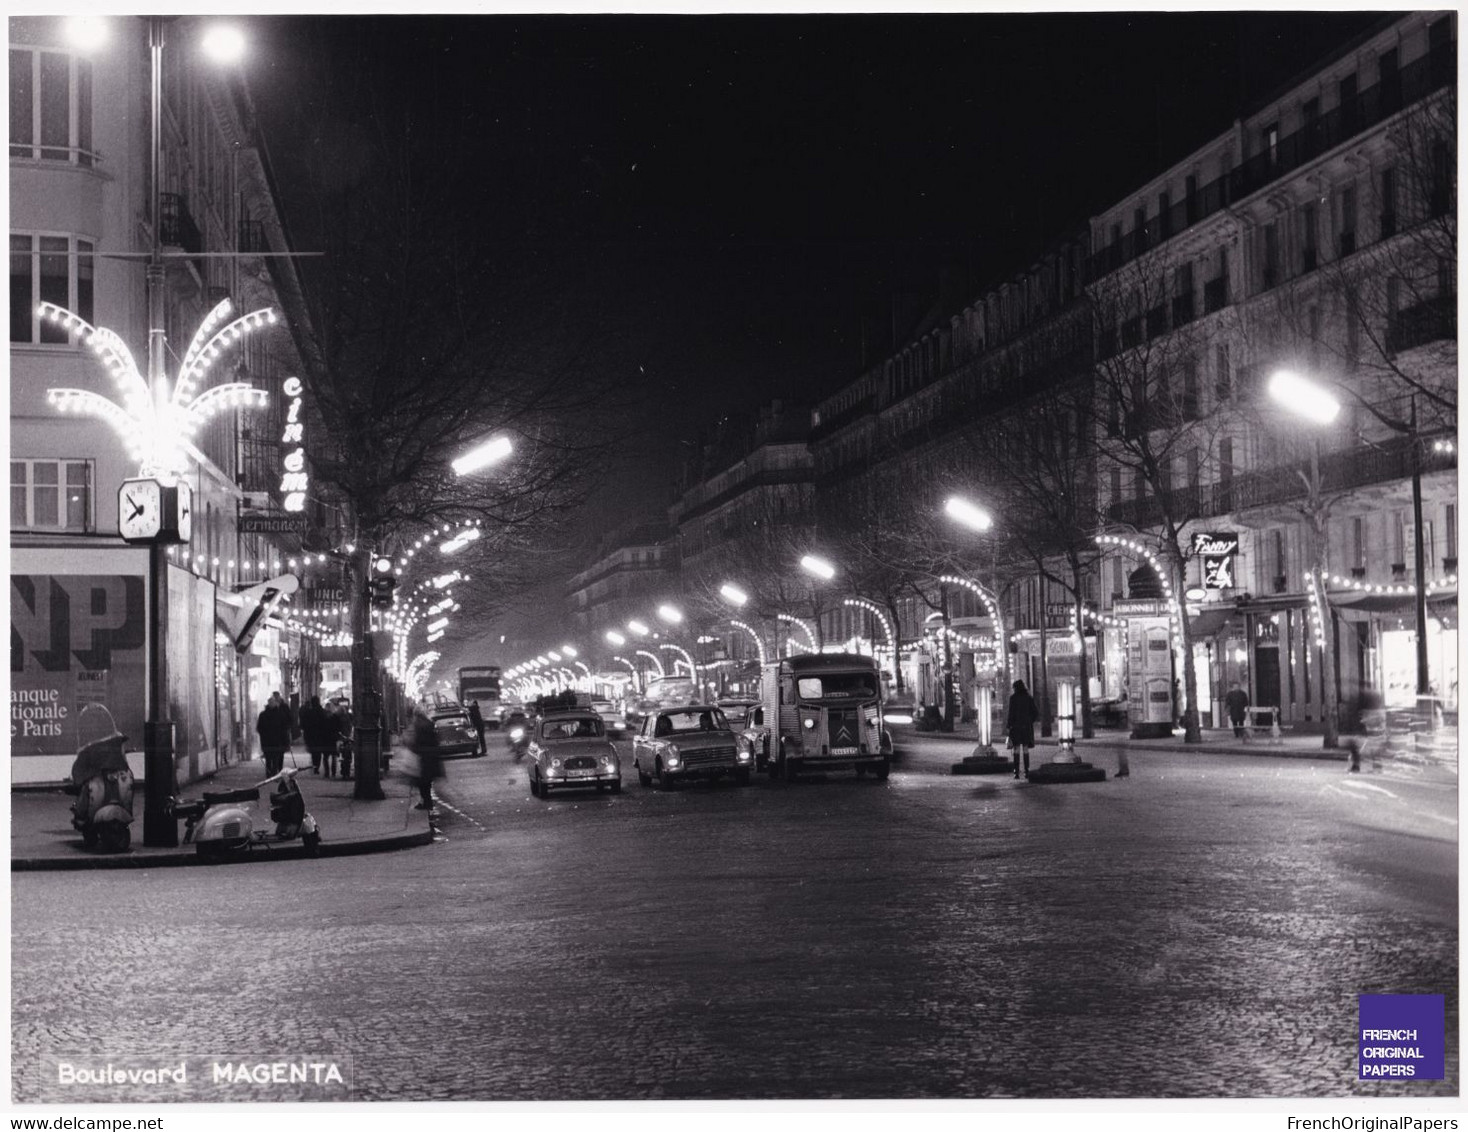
{"points": [[50, 106], [1348, 220], [1223, 380], [1271, 256], [55, 269], [1309, 249], [51, 495], [1388, 202], [1358, 544], [1271, 143]]}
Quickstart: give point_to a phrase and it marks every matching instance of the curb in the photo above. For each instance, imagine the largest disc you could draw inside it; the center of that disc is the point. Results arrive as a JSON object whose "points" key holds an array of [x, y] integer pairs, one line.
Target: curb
{"points": [[189, 858]]}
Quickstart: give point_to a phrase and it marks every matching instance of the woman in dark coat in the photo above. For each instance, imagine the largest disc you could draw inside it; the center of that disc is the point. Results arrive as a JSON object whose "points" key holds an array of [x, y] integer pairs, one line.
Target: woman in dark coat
{"points": [[430, 762], [1020, 725], [274, 729]]}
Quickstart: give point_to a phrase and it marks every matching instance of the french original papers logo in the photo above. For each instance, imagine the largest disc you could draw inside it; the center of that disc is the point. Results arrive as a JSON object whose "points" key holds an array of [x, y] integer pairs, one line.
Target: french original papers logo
{"points": [[1401, 1037]]}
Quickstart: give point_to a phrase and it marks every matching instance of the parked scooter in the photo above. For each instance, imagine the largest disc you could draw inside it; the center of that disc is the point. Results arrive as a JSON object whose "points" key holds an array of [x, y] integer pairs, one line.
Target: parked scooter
{"points": [[102, 783], [222, 824]]}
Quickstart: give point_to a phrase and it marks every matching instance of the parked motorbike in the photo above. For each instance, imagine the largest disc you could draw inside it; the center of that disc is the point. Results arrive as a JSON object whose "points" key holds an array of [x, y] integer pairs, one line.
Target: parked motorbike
{"points": [[221, 824], [102, 783]]}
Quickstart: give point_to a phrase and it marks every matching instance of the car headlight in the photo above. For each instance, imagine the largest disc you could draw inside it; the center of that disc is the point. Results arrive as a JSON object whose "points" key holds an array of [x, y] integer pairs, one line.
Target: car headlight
{"points": [[744, 755], [555, 764], [808, 723], [609, 761]]}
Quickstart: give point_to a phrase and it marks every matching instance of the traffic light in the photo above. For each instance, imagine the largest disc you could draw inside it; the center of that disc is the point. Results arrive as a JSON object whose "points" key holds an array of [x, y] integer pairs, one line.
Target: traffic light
{"points": [[382, 584]]}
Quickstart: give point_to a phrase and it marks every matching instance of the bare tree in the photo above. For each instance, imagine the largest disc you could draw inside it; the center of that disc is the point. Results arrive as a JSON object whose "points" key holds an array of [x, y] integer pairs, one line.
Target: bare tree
{"points": [[430, 334], [1149, 418]]}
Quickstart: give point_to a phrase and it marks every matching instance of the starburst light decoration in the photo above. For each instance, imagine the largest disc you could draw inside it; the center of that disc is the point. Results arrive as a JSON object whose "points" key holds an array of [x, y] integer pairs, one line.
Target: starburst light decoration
{"points": [[154, 423]]}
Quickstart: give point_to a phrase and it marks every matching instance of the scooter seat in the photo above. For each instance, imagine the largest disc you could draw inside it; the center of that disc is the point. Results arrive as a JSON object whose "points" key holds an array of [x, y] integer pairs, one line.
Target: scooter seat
{"points": [[243, 794]]}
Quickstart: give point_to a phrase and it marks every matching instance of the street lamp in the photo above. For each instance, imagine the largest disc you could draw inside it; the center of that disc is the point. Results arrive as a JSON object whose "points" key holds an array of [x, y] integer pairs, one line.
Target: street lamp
{"points": [[817, 566], [615, 638], [639, 628], [1311, 402], [670, 614], [482, 456], [153, 421], [971, 516], [733, 594]]}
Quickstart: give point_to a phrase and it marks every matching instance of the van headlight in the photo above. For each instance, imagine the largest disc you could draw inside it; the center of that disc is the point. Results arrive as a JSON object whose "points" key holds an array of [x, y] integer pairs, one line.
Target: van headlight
{"points": [[808, 723]]}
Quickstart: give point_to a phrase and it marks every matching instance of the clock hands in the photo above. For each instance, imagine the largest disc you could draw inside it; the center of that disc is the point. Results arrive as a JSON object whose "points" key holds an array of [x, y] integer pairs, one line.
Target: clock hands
{"points": [[138, 508]]}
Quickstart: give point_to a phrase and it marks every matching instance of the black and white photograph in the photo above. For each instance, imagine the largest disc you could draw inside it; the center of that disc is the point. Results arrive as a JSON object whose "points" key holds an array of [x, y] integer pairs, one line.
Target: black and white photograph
{"points": [[676, 554]]}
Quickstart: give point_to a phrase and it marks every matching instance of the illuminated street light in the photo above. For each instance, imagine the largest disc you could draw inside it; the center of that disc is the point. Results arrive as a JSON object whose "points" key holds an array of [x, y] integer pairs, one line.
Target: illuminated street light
{"points": [[669, 614], [86, 33], [1303, 398], [224, 43], [733, 594], [961, 510], [568, 650], [554, 655], [482, 456], [615, 638], [818, 566], [639, 628]]}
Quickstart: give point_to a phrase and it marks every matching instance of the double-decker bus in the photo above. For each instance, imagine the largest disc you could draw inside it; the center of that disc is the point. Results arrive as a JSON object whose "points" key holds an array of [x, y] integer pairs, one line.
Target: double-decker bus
{"points": [[481, 684]]}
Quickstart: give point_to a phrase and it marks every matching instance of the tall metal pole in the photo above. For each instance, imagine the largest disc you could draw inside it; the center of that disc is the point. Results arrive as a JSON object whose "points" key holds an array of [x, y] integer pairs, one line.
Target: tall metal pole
{"points": [[1419, 554], [159, 826]]}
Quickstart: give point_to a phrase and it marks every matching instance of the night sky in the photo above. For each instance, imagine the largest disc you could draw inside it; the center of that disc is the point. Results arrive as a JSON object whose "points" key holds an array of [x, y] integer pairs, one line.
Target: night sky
{"points": [[757, 194]]}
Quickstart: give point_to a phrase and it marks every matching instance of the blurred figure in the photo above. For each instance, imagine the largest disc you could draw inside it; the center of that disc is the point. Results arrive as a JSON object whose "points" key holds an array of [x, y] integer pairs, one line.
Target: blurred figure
{"points": [[430, 763], [476, 717], [318, 730], [274, 728]]}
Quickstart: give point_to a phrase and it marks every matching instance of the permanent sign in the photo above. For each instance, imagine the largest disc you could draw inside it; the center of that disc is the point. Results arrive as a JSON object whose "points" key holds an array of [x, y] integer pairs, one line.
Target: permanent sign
{"points": [[1216, 550], [272, 524]]}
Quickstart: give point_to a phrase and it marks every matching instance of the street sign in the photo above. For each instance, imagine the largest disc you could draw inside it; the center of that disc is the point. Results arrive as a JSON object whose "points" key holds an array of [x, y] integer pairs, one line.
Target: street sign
{"points": [[272, 524]]}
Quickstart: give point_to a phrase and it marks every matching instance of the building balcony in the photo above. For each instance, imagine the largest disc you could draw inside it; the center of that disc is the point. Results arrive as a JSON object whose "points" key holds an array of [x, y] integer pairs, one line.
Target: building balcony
{"points": [[1369, 108], [1342, 471], [177, 228]]}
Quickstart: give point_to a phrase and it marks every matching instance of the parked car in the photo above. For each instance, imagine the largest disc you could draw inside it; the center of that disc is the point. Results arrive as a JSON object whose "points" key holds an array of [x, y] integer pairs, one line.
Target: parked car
{"points": [[615, 721], [737, 711], [694, 741], [456, 733], [571, 749]]}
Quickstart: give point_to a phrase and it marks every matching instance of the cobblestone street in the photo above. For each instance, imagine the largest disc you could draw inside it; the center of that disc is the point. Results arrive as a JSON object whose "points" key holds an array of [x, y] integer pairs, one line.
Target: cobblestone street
{"points": [[1201, 929]]}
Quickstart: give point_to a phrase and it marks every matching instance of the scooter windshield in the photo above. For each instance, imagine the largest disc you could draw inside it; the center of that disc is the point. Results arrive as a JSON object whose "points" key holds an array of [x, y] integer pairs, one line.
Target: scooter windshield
{"points": [[99, 744]]}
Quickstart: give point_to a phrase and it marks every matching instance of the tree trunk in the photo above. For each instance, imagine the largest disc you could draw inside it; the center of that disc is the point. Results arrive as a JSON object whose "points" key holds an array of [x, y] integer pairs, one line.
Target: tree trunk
{"points": [[896, 647], [1192, 729], [947, 663], [1046, 728], [366, 699], [1329, 707], [1088, 730]]}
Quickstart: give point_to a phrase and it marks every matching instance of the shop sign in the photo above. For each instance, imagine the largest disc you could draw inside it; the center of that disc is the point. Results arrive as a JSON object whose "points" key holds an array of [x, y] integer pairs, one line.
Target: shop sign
{"points": [[267, 524], [244, 613], [1139, 607], [1216, 550], [293, 481]]}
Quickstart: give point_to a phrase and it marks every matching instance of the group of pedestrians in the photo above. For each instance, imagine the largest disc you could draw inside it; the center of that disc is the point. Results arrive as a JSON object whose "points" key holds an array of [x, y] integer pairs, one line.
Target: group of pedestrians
{"points": [[325, 731]]}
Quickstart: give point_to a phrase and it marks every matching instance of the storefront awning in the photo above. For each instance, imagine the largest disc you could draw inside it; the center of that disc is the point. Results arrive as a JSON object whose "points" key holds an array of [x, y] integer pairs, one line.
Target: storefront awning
{"points": [[1400, 605], [1209, 622]]}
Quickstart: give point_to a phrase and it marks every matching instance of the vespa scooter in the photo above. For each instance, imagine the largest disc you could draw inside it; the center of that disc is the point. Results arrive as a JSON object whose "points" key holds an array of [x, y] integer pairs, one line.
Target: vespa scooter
{"points": [[102, 783], [221, 824]]}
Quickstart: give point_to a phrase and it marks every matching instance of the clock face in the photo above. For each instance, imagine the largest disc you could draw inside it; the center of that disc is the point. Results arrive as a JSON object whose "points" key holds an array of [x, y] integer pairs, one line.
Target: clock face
{"points": [[139, 509], [185, 512]]}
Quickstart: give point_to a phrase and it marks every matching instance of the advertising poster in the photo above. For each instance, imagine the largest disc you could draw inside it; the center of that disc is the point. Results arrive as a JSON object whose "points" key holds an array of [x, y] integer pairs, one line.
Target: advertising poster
{"points": [[190, 644], [75, 639]]}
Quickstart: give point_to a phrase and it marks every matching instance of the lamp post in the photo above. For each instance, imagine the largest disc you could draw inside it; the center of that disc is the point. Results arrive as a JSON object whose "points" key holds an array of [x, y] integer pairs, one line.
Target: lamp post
{"points": [[152, 419], [823, 571], [1312, 403]]}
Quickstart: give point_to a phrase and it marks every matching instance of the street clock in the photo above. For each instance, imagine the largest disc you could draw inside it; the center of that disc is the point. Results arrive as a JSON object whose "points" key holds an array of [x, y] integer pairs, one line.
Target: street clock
{"points": [[149, 512]]}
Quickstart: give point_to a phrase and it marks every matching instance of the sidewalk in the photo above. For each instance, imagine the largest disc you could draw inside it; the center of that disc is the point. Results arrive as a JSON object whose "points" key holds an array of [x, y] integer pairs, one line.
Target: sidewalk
{"points": [[41, 836], [1216, 741]]}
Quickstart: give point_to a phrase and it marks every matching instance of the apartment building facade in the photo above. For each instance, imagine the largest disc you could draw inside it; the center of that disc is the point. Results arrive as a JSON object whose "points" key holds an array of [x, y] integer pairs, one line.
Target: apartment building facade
{"points": [[81, 209]]}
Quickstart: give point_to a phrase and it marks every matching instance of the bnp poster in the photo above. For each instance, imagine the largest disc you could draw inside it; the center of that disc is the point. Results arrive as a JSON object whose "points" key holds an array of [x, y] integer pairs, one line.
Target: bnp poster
{"points": [[75, 639]]}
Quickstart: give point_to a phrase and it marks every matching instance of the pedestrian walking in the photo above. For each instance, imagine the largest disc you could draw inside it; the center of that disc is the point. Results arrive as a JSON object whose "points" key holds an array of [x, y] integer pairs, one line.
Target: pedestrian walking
{"points": [[274, 728], [430, 762], [318, 730], [1236, 701], [1019, 725], [476, 717]]}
